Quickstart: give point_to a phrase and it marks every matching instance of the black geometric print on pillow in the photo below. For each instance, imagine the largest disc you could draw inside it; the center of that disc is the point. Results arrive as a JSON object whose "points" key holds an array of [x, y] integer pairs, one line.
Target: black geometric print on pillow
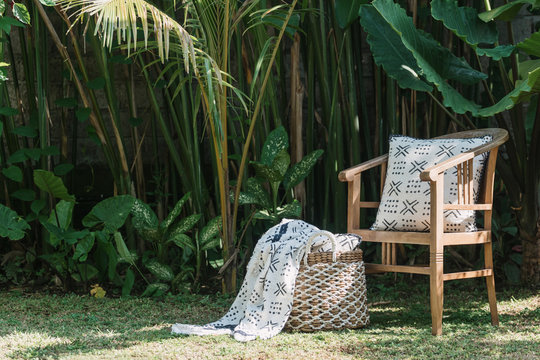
{"points": [[402, 150], [446, 150], [394, 187], [389, 225], [417, 166], [409, 207]]}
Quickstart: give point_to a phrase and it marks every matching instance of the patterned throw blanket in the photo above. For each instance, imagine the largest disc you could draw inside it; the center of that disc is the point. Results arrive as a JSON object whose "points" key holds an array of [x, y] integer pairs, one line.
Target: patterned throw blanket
{"points": [[265, 299]]}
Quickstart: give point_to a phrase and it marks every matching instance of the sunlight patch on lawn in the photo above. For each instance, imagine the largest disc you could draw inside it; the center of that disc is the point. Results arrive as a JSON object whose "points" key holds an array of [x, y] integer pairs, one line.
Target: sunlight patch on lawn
{"points": [[20, 341]]}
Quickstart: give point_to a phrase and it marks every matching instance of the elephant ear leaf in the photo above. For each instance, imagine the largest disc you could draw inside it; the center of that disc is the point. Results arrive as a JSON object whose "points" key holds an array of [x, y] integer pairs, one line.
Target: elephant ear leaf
{"points": [[531, 45], [507, 12], [12, 225], [523, 91], [110, 213], [464, 22], [52, 184], [390, 53], [436, 62], [299, 171]]}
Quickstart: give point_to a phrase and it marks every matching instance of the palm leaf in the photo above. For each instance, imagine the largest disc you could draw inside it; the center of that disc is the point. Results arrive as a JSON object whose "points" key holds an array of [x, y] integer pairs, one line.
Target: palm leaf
{"points": [[120, 17]]}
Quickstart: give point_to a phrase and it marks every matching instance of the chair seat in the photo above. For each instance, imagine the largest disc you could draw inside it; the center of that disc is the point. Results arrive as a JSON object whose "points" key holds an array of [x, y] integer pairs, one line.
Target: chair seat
{"points": [[419, 238]]}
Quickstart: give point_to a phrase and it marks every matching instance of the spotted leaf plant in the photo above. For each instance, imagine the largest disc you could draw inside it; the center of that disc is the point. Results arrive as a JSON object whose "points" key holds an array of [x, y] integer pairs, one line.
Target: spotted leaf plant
{"points": [[275, 177], [175, 231]]}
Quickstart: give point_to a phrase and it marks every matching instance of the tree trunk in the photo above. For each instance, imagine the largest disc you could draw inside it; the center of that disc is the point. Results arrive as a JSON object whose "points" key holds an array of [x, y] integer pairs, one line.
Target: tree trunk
{"points": [[297, 97]]}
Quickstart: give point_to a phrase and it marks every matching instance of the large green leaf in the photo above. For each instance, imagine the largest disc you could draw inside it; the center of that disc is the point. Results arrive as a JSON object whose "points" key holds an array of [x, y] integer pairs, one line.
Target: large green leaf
{"points": [[531, 45], [522, 92], [175, 212], [63, 213], [24, 194], [464, 22], [125, 254], [60, 218], [276, 141], [437, 63], [17, 157], [211, 230], [497, 52], [13, 173], [144, 220], [299, 171], [12, 225], [160, 271], [347, 11], [47, 181], [110, 213], [436, 60], [390, 53], [508, 11], [129, 280], [84, 246]]}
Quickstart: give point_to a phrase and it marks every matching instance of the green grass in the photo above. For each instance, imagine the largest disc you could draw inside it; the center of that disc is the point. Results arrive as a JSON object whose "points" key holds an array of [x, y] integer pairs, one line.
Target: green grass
{"points": [[41, 326]]}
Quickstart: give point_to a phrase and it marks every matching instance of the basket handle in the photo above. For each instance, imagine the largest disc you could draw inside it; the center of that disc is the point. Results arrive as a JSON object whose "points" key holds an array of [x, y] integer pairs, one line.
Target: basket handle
{"points": [[329, 235]]}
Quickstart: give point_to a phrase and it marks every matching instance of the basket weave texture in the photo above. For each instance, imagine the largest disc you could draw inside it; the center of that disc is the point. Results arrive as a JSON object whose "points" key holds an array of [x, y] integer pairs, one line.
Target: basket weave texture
{"points": [[330, 295]]}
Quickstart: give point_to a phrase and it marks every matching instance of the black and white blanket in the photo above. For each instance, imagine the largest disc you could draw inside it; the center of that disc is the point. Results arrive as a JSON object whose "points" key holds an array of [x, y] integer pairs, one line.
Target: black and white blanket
{"points": [[265, 299]]}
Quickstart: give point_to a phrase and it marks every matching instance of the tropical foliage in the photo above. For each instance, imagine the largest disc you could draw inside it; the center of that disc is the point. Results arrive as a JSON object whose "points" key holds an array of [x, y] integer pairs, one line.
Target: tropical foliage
{"points": [[199, 122]]}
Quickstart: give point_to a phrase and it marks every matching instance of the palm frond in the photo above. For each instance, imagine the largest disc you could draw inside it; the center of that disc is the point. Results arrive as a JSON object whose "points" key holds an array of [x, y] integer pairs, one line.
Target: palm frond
{"points": [[121, 17]]}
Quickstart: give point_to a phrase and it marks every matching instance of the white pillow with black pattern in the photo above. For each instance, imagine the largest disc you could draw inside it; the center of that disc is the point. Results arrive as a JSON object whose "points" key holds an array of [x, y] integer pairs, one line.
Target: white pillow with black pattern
{"points": [[405, 202]]}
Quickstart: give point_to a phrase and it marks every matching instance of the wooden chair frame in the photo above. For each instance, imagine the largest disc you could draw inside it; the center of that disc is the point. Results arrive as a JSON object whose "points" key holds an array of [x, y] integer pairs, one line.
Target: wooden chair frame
{"points": [[436, 238]]}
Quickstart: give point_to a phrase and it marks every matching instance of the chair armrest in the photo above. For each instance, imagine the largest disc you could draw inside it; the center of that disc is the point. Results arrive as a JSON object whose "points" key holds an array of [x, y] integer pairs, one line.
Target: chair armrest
{"points": [[348, 174], [431, 173]]}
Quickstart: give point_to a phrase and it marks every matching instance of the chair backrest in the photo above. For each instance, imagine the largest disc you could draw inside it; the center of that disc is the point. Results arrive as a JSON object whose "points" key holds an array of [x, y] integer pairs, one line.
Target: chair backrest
{"points": [[499, 137]]}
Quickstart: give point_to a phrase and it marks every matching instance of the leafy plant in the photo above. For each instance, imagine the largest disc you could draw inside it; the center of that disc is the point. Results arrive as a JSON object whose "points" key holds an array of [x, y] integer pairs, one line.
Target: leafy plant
{"points": [[12, 226], [274, 172], [172, 231], [71, 247]]}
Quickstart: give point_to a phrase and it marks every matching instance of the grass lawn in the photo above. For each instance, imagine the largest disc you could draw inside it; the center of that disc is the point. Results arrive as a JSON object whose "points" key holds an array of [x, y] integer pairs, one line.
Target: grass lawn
{"points": [[41, 326]]}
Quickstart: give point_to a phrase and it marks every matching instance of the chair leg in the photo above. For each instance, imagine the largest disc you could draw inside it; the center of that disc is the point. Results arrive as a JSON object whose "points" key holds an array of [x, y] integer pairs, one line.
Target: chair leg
{"points": [[436, 295], [490, 283]]}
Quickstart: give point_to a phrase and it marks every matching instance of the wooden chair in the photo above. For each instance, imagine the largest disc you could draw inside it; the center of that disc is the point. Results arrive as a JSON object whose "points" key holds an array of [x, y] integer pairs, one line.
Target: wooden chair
{"points": [[436, 239]]}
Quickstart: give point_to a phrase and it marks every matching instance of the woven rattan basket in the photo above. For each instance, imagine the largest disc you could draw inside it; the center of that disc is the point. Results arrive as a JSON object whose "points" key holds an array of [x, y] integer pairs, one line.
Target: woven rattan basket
{"points": [[330, 291]]}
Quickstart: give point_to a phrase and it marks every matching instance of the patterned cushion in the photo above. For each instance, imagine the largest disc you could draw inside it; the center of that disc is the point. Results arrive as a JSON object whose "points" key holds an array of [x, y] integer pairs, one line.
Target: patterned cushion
{"points": [[405, 202]]}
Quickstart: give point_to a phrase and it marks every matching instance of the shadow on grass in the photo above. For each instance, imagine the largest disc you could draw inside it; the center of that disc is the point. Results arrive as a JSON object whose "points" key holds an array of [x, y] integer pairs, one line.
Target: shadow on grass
{"points": [[92, 342]]}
